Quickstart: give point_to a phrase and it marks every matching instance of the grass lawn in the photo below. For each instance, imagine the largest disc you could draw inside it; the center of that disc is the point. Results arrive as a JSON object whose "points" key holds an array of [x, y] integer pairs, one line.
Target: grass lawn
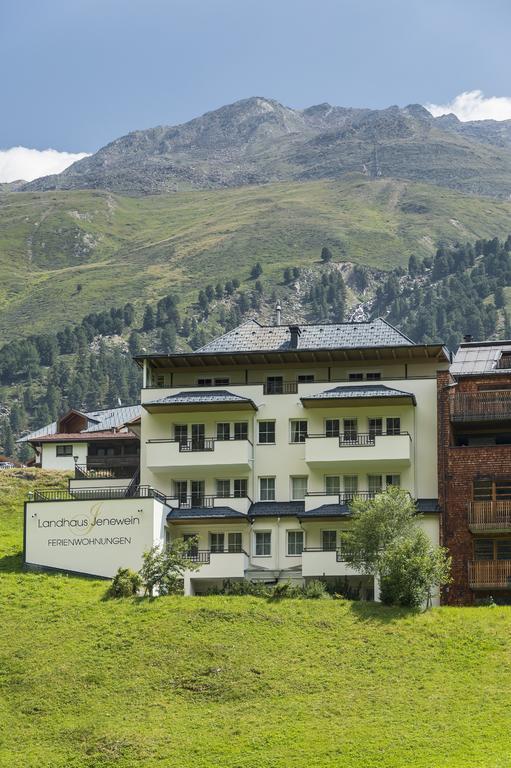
{"points": [[239, 682]]}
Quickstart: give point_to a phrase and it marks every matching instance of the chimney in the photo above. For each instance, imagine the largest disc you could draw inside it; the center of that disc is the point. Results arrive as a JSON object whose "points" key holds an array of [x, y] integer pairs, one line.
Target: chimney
{"points": [[467, 338], [279, 312], [295, 335]]}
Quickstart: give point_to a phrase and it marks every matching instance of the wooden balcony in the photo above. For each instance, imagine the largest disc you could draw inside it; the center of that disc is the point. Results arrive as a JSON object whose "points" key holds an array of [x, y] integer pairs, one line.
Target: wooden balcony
{"points": [[489, 574], [490, 515], [481, 406]]}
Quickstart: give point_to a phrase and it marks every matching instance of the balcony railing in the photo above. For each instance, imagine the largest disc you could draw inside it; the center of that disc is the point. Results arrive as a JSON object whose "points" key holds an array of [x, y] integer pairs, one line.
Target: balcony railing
{"points": [[490, 515], [199, 444], [281, 388], [354, 439], [204, 555], [203, 501], [489, 574], [346, 496], [86, 494], [93, 472], [481, 406]]}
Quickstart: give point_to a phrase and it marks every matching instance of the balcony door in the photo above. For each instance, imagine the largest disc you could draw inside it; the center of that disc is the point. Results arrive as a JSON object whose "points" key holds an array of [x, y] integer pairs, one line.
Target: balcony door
{"points": [[198, 488], [198, 437]]}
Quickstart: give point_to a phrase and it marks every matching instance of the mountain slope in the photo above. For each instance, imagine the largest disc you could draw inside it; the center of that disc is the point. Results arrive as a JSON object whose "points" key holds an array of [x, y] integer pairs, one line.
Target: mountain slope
{"points": [[64, 254], [258, 140]]}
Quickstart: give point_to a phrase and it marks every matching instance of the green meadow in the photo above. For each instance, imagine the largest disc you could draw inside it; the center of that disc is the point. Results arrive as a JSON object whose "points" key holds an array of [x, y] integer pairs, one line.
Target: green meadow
{"points": [[222, 682]]}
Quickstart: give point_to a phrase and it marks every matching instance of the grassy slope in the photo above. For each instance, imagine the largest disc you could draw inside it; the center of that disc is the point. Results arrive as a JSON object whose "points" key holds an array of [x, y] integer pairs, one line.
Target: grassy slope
{"points": [[122, 249], [238, 682]]}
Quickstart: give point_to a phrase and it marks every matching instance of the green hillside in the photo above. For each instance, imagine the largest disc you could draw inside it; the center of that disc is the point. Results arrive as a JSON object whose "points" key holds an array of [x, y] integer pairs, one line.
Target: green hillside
{"points": [[239, 682], [64, 254]]}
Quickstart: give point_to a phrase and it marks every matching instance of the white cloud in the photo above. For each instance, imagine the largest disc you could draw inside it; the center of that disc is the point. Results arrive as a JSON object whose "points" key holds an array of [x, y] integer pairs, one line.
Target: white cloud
{"points": [[28, 164], [473, 105]]}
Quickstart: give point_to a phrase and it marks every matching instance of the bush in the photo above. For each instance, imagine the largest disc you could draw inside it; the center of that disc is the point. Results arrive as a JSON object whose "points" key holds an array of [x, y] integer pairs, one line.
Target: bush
{"points": [[314, 590], [245, 587], [125, 583], [284, 589]]}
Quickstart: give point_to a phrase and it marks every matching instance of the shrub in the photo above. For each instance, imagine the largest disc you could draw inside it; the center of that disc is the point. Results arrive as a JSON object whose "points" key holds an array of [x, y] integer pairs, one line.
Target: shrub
{"points": [[245, 587], [315, 590], [284, 589], [163, 570], [125, 583]]}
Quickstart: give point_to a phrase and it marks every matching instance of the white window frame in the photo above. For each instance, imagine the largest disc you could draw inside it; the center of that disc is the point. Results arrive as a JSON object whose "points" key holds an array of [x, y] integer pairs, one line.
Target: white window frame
{"points": [[234, 533], [292, 480], [333, 477], [267, 477], [291, 431], [266, 421], [222, 480], [256, 534], [294, 531], [329, 530]]}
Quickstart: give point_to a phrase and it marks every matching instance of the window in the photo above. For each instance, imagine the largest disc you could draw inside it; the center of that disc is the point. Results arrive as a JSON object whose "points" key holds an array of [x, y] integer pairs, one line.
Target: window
{"points": [[181, 490], [181, 433], [483, 490], [223, 488], [263, 543], [266, 432], [223, 431], [240, 489], [198, 493], [349, 430], [267, 488], [64, 450], [503, 549], [305, 378], [328, 541], [221, 382], [298, 431], [332, 427], [274, 385], [375, 427], [373, 376], [393, 426], [294, 542], [198, 437], [160, 380], [487, 489], [483, 549], [350, 485], [392, 479], [193, 547], [298, 488], [216, 542], [234, 542], [241, 430], [355, 376], [332, 485], [374, 483]]}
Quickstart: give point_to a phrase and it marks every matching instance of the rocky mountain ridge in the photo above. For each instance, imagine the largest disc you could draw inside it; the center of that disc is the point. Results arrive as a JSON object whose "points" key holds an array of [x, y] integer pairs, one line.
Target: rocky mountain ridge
{"points": [[258, 140]]}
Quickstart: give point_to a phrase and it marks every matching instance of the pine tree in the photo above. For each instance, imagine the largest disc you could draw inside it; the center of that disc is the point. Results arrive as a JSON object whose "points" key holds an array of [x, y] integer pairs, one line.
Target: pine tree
{"points": [[7, 439], [256, 271], [326, 254], [148, 322]]}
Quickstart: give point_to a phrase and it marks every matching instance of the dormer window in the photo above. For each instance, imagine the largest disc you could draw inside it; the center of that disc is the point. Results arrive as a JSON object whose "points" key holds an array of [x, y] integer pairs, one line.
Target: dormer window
{"points": [[505, 360]]}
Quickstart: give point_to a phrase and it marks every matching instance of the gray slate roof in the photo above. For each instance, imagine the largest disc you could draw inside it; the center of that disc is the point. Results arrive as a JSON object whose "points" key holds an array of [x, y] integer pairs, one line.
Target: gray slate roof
{"points": [[98, 421], [366, 390], [472, 358], [198, 513], [200, 397], [253, 337], [277, 509]]}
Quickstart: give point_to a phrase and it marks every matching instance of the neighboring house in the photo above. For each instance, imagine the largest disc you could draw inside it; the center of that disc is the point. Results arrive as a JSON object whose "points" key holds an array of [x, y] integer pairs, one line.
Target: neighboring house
{"points": [[93, 445], [256, 444], [475, 471]]}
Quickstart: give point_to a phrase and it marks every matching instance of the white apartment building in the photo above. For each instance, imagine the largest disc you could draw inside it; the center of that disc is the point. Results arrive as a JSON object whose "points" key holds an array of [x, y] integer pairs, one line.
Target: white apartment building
{"points": [[254, 445]]}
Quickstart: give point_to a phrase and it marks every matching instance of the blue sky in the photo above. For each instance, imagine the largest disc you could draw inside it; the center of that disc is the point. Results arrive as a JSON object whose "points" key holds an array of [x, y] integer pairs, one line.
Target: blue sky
{"points": [[79, 73]]}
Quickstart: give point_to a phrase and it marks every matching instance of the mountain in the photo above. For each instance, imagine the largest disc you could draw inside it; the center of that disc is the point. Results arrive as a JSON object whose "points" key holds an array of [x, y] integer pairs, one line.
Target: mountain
{"points": [[260, 141], [64, 254]]}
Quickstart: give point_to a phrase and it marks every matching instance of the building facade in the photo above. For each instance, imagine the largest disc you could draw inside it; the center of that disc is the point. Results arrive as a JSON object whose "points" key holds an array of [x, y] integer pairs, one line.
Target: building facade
{"points": [[254, 446], [475, 471]]}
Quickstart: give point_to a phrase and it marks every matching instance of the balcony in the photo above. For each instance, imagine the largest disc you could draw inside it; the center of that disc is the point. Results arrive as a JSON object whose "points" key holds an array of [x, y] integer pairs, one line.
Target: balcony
{"points": [[322, 562], [219, 565], [240, 504], [201, 453], [315, 499], [280, 388], [481, 406], [490, 515], [97, 493], [388, 451], [489, 574], [105, 467]]}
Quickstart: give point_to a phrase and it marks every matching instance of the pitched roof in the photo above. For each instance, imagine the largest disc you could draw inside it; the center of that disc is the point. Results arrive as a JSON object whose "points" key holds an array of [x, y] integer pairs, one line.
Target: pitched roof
{"points": [[276, 509], [473, 358], [201, 399], [199, 513], [254, 337], [363, 391], [97, 421]]}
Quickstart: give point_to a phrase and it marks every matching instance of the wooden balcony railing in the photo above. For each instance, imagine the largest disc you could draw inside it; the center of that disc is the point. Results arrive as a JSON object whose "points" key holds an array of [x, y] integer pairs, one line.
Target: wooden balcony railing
{"points": [[489, 574], [481, 406], [490, 515]]}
